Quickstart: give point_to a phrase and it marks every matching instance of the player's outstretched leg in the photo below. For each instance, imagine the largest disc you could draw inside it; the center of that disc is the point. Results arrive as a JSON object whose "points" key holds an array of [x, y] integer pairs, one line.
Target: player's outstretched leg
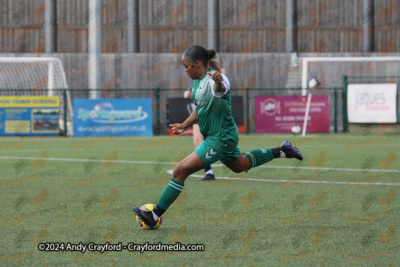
{"points": [[186, 167], [259, 157]]}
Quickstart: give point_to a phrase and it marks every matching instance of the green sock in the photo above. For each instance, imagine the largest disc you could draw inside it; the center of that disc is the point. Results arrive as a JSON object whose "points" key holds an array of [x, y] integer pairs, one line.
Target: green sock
{"points": [[170, 194], [258, 157]]}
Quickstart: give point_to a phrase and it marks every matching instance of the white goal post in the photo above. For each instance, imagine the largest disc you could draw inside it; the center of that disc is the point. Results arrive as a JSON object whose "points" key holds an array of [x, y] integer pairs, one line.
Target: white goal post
{"points": [[18, 74], [305, 78]]}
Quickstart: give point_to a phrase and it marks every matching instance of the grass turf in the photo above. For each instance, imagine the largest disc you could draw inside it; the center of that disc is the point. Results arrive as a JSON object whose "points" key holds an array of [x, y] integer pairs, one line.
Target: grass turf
{"points": [[256, 221]]}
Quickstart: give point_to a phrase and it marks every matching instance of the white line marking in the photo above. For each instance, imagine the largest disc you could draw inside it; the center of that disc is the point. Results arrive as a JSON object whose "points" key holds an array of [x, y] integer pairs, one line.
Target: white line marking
{"points": [[298, 181], [243, 148], [90, 149], [291, 181], [215, 165], [92, 160], [313, 168]]}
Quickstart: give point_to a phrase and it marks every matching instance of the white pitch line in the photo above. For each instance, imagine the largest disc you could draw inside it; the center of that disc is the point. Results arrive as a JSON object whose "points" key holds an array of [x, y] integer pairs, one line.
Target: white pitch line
{"points": [[313, 168], [92, 149], [295, 181], [243, 148], [291, 181], [91, 160], [215, 165]]}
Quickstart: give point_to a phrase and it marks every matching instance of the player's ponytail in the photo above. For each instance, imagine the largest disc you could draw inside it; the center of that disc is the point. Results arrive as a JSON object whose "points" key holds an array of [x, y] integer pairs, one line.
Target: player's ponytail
{"points": [[199, 53], [215, 65]]}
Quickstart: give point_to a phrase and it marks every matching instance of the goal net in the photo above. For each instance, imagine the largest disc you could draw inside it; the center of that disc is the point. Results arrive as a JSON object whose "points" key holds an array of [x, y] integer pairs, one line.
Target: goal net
{"points": [[37, 76], [329, 71]]}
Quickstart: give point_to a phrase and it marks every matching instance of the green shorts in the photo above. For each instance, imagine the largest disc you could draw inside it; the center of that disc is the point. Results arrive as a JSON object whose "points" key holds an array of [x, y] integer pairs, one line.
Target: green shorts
{"points": [[213, 149]]}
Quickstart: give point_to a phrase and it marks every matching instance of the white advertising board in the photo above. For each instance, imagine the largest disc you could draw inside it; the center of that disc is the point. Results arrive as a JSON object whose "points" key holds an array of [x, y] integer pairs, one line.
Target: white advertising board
{"points": [[372, 103]]}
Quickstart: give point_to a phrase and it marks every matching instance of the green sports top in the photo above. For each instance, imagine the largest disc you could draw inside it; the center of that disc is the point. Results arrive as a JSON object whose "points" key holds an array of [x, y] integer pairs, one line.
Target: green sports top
{"points": [[214, 111]]}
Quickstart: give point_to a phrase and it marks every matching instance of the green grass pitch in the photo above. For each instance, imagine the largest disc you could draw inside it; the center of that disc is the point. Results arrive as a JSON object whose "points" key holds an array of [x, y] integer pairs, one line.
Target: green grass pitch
{"points": [[340, 206]]}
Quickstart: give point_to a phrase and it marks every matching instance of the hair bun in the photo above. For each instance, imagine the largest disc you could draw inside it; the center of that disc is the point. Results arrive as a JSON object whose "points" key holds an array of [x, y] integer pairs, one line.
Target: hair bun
{"points": [[211, 53]]}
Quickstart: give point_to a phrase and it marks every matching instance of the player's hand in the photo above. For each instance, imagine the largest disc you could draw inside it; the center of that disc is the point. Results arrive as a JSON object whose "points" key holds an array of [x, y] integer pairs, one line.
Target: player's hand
{"points": [[178, 128], [188, 93], [216, 76]]}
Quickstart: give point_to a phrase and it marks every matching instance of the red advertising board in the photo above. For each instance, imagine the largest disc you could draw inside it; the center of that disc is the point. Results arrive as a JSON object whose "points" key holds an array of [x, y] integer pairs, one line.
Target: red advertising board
{"points": [[278, 114]]}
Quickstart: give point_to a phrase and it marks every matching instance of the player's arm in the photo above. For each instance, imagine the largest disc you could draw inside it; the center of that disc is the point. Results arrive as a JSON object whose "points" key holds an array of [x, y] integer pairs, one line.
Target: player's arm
{"points": [[219, 87], [192, 119], [219, 83], [179, 128]]}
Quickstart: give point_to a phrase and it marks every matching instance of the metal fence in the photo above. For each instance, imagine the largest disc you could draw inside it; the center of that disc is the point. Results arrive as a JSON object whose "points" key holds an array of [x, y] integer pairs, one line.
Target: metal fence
{"points": [[160, 98]]}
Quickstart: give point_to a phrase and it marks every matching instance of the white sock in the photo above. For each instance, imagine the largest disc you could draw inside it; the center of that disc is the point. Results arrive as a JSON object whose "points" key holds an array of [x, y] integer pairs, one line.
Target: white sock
{"points": [[283, 155], [209, 171], [154, 216]]}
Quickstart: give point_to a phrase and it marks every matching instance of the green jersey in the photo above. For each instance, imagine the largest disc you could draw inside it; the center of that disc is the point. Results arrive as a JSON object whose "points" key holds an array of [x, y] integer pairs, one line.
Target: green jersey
{"points": [[214, 112]]}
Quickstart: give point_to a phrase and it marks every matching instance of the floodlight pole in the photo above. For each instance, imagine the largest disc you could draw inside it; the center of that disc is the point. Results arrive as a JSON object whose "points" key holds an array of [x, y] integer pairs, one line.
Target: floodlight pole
{"points": [[289, 25], [131, 25], [94, 48], [211, 24], [368, 26], [55, 27], [47, 26], [47, 33]]}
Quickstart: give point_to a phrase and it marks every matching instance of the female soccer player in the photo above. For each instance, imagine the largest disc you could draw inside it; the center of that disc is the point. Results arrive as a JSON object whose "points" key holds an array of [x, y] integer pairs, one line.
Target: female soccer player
{"points": [[197, 136], [197, 139], [214, 115]]}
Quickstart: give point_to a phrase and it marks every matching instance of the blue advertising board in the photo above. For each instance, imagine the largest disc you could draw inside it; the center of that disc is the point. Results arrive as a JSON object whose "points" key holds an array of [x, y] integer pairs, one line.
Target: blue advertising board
{"points": [[113, 117]]}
